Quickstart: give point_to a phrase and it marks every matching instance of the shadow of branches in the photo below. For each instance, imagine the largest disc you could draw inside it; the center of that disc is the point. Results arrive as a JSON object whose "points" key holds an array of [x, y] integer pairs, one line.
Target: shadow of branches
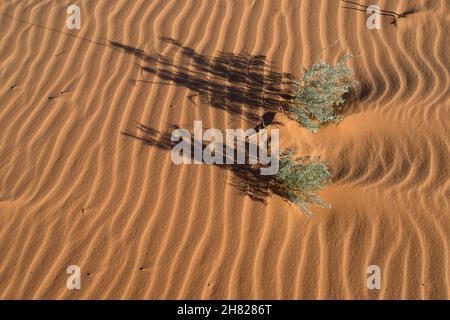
{"points": [[245, 177], [242, 84]]}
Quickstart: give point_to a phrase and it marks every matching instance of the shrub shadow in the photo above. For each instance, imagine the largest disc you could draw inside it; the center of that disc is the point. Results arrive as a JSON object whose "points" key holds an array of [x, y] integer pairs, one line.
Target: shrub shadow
{"points": [[245, 177], [242, 84]]}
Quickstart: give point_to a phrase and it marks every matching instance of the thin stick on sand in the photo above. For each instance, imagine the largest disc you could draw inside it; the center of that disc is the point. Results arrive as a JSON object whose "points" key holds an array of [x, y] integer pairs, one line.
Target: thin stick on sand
{"points": [[382, 12]]}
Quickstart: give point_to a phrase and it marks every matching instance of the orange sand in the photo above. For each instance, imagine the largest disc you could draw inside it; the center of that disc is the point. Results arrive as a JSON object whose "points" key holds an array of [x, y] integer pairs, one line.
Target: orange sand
{"points": [[75, 188]]}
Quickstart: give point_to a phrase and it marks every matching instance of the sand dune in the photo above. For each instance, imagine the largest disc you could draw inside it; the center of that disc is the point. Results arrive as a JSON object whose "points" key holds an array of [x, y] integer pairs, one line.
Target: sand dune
{"points": [[86, 176]]}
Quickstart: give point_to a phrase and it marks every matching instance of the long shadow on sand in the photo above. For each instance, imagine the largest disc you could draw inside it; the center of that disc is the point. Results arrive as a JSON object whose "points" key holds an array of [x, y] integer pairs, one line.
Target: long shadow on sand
{"points": [[244, 85], [246, 178]]}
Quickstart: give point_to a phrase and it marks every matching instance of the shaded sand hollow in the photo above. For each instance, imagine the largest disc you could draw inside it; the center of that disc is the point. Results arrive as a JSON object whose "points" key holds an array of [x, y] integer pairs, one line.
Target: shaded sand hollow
{"points": [[86, 177]]}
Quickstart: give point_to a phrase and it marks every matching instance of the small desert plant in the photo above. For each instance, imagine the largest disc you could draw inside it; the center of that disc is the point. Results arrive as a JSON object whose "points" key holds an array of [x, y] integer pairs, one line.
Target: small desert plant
{"points": [[300, 178], [320, 91]]}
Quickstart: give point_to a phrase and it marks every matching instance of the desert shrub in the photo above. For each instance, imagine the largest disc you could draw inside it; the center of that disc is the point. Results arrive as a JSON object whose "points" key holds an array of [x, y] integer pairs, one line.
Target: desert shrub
{"points": [[320, 91], [300, 178]]}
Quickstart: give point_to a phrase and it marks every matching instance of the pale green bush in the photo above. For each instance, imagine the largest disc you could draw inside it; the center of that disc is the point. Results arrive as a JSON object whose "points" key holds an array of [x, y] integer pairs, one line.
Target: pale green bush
{"points": [[300, 178], [320, 91]]}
